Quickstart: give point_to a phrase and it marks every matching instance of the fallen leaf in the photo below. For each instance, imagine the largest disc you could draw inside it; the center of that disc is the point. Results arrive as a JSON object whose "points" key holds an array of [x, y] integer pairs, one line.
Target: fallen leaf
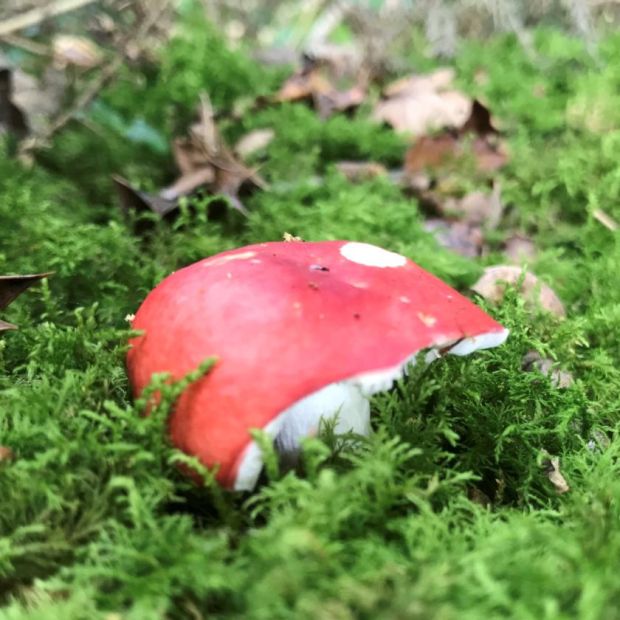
{"points": [[533, 360], [254, 141], [6, 454], [359, 171], [479, 121], [519, 249], [460, 237], [12, 119], [493, 283], [551, 467], [312, 83], [474, 494], [339, 100], [13, 286], [74, 50], [477, 207], [38, 99], [490, 154], [188, 183], [205, 162], [135, 199], [419, 105], [431, 152]]}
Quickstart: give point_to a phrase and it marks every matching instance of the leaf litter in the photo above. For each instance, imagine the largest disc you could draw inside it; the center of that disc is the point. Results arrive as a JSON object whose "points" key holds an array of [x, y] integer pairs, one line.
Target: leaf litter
{"points": [[12, 287], [494, 281], [205, 163]]}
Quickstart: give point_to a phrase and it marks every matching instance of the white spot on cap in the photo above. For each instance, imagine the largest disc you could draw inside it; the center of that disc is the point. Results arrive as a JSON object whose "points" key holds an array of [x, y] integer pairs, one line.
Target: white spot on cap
{"points": [[404, 299], [371, 255], [427, 319], [222, 260]]}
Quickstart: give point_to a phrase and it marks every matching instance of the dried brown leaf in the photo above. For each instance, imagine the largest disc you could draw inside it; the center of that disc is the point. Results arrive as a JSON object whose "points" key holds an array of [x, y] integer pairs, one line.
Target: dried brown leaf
{"points": [[493, 282], [13, 286], [460, 237], [312, 84], [421, 104], [135, 199], [205, 162], [479, 121], [339, 100], [12, 119], [477, 207], [490, 155], [188, 183], [533, 360], [360, 171], [6, 454], [429, 152], [519, 249], [254, 141], [75, 50], [551, 467]]}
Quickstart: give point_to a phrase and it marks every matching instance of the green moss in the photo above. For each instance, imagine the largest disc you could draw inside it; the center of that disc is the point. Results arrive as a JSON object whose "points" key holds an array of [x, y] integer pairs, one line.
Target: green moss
{"points": [[95, 517]]}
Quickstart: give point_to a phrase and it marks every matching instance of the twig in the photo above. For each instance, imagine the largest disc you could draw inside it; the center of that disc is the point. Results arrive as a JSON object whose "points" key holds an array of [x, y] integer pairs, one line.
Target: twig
{"points": [[36, 16], [38, 49], [606, 220], [91, 91]]}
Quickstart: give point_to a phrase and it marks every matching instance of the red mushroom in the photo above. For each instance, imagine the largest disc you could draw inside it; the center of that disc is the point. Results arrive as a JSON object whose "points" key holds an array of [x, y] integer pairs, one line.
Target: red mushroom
{"points": [[302, 331]]}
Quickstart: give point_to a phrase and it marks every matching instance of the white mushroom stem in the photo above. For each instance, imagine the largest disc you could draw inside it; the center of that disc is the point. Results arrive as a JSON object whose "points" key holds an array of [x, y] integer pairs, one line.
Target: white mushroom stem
{"points": [[348, 401]]}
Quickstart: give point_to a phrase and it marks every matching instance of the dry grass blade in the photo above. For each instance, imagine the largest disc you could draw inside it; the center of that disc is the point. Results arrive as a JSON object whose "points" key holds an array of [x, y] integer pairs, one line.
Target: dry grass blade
{"points": [[40, 14]]}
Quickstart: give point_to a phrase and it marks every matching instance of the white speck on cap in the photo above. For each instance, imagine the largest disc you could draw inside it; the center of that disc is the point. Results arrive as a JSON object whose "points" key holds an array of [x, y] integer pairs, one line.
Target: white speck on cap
{"points": [[371, 255], [221, 260]]}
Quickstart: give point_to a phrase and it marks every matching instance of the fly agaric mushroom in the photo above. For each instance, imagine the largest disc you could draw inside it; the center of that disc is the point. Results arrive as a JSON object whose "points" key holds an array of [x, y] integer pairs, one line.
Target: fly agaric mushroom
{"points": [[302, 331]]}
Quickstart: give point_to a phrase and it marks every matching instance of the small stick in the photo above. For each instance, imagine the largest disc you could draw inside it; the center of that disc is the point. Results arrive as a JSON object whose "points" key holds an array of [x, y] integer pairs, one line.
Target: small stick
{"points": [[606, 220], [37, 49], [105, 75], [38, 15]]}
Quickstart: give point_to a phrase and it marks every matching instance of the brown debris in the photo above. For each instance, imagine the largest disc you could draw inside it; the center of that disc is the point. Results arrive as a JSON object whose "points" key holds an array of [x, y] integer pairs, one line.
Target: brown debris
{"points": [[519, 249], [360, 171], [254, 141], [489, 154], [420, 104], [551, 467], [533, 360], [460, 237], [132, 198], [493, 283], [12, 119], [71, 50], [13, 286], [205, 163], [479, 121], [475, 136], [6, 454], [429, 152], [477, 207], [313, 84]]}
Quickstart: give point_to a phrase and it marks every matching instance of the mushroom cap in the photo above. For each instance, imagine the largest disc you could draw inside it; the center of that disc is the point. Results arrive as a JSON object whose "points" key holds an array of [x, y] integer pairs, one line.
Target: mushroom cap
{"points": [[286, 319]]}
